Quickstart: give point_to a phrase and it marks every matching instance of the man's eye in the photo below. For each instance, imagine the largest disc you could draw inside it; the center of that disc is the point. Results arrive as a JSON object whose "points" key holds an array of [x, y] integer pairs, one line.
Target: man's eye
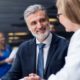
{"points": [[33, 23], [42, 20]]}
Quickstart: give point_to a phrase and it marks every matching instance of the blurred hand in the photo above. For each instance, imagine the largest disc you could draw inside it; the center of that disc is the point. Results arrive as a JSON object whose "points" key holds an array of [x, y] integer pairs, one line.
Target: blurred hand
{"points": [[8, 60], [32, 76], [1, 53]]}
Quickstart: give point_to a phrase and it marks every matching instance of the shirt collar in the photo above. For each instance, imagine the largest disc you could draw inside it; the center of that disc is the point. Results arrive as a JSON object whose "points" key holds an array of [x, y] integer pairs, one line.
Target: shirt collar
{"points": [[47, 41]]}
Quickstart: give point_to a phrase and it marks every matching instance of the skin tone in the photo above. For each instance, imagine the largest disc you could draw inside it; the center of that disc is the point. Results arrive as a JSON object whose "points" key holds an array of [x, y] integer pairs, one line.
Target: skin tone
{"points": [[38, 25], [68, 25], [32, 77]]}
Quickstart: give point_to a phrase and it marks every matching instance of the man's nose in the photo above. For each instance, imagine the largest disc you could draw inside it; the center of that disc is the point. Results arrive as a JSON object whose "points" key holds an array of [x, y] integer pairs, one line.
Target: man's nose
{"points": [[39, 25]]}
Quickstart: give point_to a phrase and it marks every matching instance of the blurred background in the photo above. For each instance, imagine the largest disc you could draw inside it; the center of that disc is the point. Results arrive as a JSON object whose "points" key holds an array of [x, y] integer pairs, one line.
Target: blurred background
{"points": [[12, 21]]}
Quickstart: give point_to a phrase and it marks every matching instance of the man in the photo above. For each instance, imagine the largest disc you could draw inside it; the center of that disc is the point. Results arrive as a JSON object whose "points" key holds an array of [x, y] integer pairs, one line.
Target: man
{"points": [[69, 16], [54, 51]]}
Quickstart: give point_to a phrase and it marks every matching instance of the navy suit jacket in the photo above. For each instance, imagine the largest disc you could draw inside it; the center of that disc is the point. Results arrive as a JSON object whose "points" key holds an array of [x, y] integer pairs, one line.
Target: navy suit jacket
{"points": [[25, 62]]}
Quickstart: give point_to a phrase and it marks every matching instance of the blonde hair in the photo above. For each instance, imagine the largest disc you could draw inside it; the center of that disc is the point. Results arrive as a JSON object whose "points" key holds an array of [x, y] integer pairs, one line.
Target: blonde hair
{"points": [[70, 8]]}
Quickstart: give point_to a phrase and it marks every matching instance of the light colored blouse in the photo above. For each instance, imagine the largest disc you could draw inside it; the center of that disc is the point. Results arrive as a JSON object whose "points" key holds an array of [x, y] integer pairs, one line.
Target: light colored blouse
{"points": [[71, 69]]}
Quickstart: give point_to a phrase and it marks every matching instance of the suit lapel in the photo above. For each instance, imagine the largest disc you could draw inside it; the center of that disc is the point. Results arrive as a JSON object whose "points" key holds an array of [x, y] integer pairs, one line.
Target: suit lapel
{"points": [[32, 50], [51, 52]]}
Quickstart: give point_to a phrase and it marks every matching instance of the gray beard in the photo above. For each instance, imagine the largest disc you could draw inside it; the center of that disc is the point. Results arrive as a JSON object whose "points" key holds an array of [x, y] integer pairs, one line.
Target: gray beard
{"points": [[41, 37]]}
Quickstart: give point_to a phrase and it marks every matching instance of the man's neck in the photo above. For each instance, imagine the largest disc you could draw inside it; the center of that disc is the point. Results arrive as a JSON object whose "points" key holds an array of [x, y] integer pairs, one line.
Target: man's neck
{"points": [[41, 40]]}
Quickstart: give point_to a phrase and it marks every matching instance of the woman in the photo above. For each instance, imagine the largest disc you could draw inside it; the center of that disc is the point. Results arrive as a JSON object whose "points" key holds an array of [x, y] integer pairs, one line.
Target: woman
{"points": [[69, 17]]}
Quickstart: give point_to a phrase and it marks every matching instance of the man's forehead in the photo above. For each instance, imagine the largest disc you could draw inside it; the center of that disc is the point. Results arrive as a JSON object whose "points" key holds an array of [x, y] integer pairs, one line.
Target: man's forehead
{"points": [[35, 16], [37, 13]]}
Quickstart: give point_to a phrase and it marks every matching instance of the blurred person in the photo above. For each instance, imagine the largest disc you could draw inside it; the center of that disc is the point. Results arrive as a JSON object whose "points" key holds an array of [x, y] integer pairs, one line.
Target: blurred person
{"points": [[69, 17], [11, 56], [54, 50], [5, 51]]}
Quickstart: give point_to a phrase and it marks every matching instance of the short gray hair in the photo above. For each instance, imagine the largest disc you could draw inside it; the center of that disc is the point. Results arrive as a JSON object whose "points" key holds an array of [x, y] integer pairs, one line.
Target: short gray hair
{"points": [[32, 9]]}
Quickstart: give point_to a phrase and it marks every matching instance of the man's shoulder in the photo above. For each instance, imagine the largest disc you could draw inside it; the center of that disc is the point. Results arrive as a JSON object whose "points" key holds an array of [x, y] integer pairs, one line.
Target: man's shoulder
{"points": [[28, 42], [59, 39], [26, 46]]}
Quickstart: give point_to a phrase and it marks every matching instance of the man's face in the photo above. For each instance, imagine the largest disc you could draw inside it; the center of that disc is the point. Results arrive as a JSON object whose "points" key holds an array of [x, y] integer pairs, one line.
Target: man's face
{"points": [[38, 24]]}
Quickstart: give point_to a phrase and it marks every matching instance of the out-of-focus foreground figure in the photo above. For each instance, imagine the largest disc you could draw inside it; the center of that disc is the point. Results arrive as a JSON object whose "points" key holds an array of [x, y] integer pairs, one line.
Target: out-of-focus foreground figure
{"points": [[69, 17]]}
